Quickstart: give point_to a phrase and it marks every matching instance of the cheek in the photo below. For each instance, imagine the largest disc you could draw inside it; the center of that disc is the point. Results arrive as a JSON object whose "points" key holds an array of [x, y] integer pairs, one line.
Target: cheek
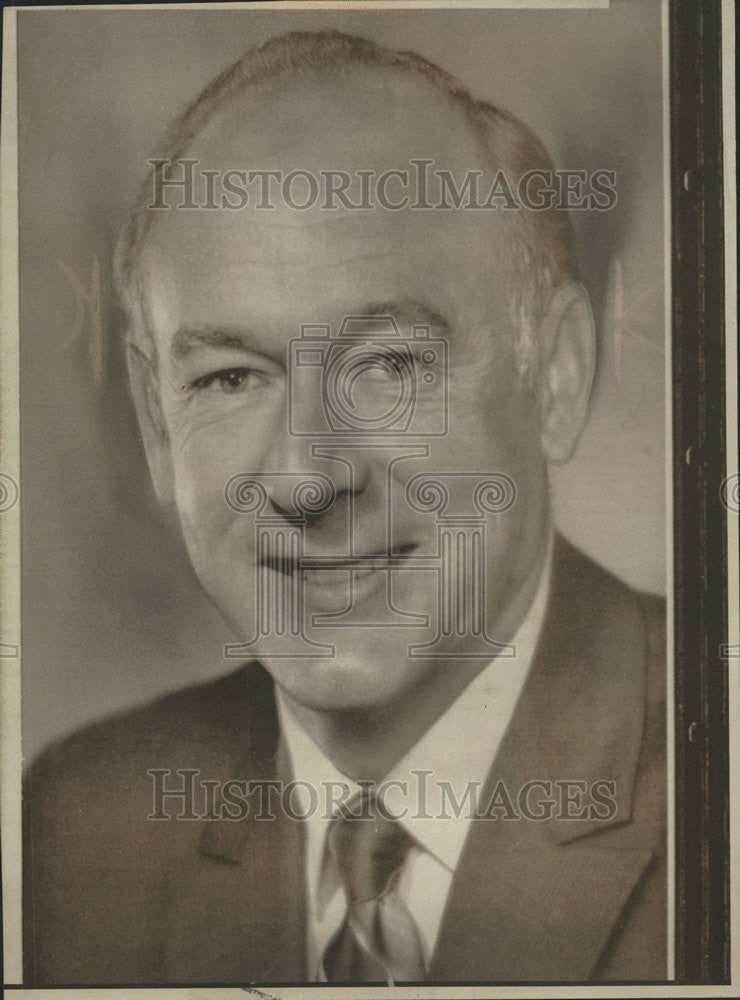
{"points": [[491, 430], [204, 516], [208, 452], [509, 418], [202, 467], [495, 434]]}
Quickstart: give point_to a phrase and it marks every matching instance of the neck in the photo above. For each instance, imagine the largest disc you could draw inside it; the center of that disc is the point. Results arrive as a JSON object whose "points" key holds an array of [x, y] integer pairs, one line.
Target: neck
{"points": [[364, 744]]}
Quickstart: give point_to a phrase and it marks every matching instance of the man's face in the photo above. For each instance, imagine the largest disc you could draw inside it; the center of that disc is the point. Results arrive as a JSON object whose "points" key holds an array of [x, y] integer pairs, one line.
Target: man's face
{"points": [[229, 291]]}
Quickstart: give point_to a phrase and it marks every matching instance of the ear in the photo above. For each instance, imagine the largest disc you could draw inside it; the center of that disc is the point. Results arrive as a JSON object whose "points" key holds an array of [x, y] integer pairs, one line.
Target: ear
{"points": [[145, 390], [567, 340]]}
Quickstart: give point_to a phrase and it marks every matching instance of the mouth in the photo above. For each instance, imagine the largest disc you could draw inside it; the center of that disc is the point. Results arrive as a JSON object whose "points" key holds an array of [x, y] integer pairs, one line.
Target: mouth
{"points": [[327, 569]]}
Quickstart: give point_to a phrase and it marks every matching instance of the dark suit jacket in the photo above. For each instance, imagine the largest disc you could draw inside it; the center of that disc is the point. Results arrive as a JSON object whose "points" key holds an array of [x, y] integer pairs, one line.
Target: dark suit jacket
{"points": [[114, 898]]}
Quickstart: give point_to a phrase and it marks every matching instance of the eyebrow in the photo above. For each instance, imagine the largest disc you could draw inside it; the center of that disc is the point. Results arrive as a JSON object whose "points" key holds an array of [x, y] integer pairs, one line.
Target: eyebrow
{"points": [[189, 339], [407, 312]]}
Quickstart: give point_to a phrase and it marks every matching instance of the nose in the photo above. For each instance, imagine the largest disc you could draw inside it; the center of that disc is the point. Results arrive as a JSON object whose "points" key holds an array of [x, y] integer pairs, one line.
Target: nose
{"points": [[296, 469]]}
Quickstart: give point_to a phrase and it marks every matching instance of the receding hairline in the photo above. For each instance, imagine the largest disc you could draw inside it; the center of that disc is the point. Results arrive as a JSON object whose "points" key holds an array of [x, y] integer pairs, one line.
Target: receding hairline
{"points": [[326, 54], [296, 113], [503, 140]]}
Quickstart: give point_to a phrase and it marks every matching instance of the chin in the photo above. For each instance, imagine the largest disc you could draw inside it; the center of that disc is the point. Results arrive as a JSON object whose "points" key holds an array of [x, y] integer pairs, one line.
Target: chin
{"points": [[349, 684]]}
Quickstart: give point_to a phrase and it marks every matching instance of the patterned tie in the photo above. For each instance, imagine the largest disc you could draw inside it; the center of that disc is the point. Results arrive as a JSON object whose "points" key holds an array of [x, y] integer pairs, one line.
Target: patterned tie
{"points": [[379, 940]]}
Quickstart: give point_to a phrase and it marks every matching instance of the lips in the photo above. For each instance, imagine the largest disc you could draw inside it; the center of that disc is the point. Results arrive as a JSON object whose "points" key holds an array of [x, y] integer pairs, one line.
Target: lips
{"points": [[338, 573], [369, 561], [361, 565], [334, 584]]}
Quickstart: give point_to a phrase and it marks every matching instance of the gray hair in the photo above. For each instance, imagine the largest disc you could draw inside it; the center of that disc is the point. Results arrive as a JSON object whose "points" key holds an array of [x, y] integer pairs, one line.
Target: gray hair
{"points": [[539, 254]]}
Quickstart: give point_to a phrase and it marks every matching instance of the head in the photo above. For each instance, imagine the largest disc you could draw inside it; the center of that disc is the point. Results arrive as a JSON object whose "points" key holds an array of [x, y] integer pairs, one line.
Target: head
{"points": [[216, 298]]}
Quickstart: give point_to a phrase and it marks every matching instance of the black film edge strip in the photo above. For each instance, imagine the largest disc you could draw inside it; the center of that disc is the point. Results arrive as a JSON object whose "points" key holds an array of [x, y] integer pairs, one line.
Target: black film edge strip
{"points": [[702, 759]]}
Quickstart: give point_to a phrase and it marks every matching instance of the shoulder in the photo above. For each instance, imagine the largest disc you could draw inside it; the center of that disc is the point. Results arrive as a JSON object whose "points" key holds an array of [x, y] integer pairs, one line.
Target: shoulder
{"points": [[637, 623], [619, 633], [187, 728], [99, 868], [592, 606], [594, 587]]}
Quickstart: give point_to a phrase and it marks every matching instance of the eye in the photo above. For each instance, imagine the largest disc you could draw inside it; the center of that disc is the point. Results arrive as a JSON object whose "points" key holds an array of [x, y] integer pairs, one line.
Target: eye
{"points": [[229, 380], [384, 364]]}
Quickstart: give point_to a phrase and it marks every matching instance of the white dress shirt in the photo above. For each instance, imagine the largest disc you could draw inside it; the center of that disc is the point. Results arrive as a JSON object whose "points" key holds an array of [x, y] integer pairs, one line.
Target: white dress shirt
{"points": [[456, 751]]}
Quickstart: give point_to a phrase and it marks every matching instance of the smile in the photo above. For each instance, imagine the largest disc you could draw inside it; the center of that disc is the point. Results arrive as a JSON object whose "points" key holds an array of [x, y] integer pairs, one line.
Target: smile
{"points": [[329, 573], [361, 565]]}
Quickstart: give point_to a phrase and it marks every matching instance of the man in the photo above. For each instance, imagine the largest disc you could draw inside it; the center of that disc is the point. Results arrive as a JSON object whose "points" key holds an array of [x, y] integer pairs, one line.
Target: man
{"points": [[433, 658]]}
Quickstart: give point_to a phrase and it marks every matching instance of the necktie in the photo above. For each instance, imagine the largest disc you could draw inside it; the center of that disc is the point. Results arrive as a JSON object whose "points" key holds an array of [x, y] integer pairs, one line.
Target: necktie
{"points": [[379, 940]]}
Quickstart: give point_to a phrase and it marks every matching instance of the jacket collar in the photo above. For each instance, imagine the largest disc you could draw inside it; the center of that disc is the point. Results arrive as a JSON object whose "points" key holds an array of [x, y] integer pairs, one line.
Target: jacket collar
{"points": [[539, 900], [582, 711]]}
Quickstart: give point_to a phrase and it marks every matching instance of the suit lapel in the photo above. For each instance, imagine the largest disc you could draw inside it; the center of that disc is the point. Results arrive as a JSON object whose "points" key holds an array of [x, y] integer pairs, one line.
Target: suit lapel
{"points": [[538, 900], [519, 915], [237, 909]]}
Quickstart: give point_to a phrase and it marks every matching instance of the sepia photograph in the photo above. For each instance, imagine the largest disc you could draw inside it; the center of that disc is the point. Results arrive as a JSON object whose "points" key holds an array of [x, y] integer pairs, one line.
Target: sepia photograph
{"points": [[349, 378]]}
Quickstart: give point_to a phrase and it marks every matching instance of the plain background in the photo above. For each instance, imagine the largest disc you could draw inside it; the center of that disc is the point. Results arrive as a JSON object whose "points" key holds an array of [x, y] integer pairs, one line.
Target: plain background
{"points": [[112, 613]]}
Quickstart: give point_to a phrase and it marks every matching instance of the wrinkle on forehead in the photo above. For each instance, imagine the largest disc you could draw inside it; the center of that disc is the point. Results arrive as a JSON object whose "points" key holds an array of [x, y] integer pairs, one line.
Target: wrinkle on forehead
{"points": [[315, 239]]}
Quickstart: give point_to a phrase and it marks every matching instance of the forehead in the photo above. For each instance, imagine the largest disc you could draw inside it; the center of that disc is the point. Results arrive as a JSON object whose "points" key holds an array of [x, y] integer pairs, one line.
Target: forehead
{"points": [[361, 117], [294, 266]]}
